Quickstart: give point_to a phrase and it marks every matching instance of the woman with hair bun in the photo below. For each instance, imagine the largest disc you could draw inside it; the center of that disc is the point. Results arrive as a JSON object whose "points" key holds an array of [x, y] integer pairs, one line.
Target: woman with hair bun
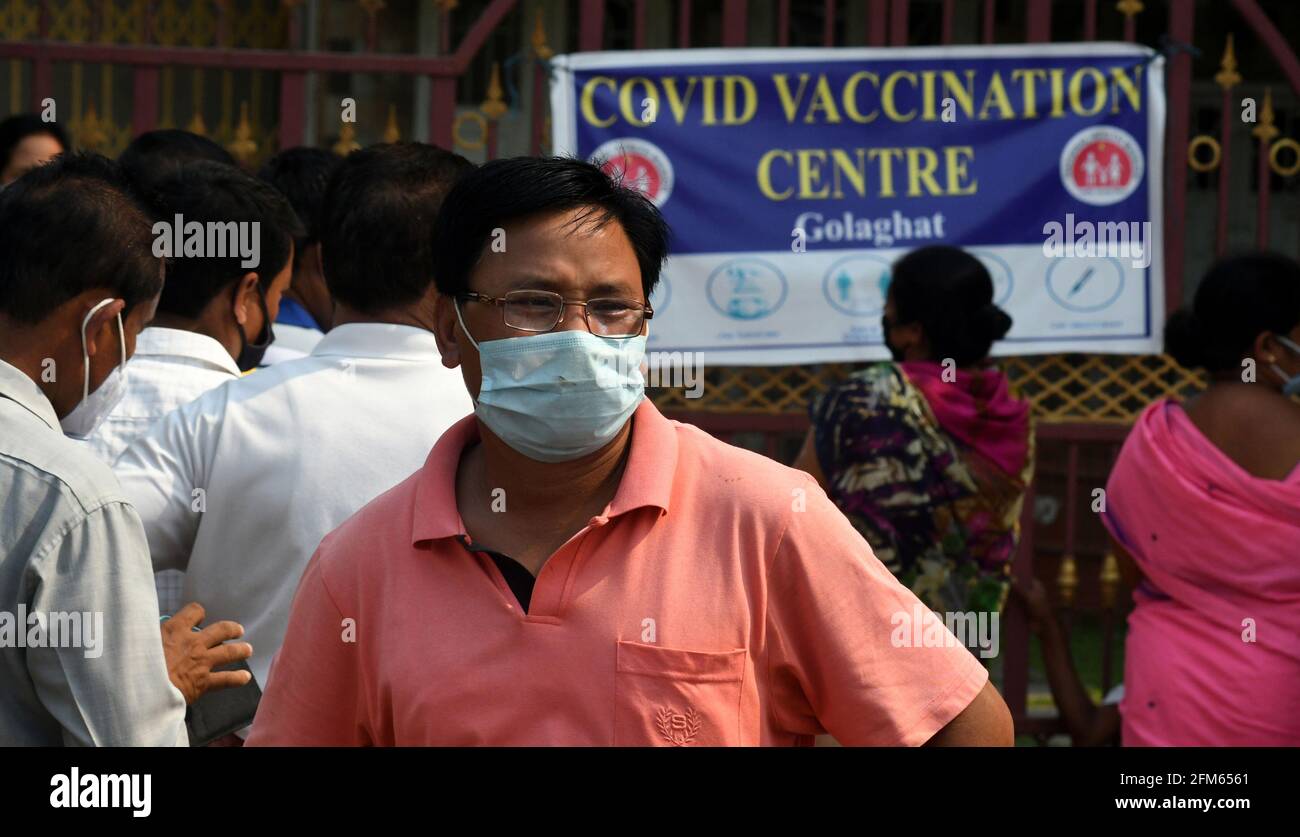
{"points": [[1204, 506], [929, 456]]}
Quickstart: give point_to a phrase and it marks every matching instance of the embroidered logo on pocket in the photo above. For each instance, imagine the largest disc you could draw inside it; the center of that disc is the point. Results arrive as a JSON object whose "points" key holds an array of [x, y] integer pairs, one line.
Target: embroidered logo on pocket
{"points": [[677, 729]]}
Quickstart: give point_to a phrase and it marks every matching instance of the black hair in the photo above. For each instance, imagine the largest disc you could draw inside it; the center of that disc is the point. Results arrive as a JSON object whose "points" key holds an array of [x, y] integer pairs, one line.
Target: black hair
{"points": [[374, 224], [950, 293], [209, 192], [507, 190], [156, 154], [19, 127], [1239, 298], [302, 175], [67, 227]]}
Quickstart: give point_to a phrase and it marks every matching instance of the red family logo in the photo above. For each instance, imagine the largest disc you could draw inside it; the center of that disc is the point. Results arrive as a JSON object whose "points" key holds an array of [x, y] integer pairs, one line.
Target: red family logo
{"points": [[639, 164], [1101, 165]]}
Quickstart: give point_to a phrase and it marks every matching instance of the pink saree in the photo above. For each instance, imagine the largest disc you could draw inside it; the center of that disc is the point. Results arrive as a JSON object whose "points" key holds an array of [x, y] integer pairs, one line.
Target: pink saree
{"points": [[1213, 651]]}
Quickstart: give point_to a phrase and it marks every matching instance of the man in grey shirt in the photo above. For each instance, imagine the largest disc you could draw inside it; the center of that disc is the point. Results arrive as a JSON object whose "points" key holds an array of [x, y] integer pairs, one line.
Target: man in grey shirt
{"points": [[82, 661]]}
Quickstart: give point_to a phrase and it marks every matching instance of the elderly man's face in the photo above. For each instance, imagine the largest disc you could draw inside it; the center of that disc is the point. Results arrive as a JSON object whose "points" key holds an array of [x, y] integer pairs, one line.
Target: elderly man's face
{"points": [[554, 252]]}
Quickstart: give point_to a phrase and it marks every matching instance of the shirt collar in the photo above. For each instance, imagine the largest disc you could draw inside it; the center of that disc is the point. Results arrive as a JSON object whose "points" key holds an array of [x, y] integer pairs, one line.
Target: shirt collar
{"points": [[22, 390], [389, 341], [157, 341], [647, 478]]}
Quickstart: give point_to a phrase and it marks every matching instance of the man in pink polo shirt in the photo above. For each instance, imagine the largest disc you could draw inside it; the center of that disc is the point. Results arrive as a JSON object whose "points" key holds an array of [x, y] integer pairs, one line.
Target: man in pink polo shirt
{"points": [[570, 567]]}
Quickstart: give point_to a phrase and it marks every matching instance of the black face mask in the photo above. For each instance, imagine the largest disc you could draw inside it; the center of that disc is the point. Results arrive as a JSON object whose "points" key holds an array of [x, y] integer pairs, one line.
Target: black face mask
{"points": [[894, 351], [250, 354]]}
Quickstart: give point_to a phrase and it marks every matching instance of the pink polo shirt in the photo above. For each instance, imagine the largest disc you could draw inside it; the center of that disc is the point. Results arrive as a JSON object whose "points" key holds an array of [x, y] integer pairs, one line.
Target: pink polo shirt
{"points": [[720, 599]]}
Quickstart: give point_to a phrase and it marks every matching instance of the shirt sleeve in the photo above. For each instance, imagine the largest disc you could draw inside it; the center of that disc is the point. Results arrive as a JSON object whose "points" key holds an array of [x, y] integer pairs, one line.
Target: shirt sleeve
{"points": [[313, 694], [844, 655], [162, 474], [107, 684]]}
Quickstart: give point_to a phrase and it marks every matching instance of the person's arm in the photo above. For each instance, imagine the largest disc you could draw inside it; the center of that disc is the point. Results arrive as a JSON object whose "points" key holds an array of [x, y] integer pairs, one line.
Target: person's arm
{"points": [[163, 474], [111, 688], [986, 722], [111, 682], [841, 655], [1089, 725], [313, 692]]}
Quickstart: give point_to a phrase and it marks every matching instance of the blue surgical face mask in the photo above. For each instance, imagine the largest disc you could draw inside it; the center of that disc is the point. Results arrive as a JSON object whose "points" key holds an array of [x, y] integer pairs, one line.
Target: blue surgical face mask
{"points": [[559, 395], [1290, 385]]}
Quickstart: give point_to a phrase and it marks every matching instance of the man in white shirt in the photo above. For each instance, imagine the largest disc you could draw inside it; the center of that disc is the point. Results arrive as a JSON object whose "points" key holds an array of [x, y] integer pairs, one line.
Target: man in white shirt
{"points": [[210, 304], [82, 661], [307, 310], [239, 487]]}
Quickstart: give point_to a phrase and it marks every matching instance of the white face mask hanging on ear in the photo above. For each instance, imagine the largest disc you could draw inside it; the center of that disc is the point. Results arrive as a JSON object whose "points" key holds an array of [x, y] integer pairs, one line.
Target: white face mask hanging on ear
{"points": [[94, 406], [1290, 385]]}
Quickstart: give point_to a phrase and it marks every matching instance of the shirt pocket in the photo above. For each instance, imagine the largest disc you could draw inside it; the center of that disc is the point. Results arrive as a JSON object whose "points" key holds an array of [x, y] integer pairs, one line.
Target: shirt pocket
{"points": [[665, 697]]}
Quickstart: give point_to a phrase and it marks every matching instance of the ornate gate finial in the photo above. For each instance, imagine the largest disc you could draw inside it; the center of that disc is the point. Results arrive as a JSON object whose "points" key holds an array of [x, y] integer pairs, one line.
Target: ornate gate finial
{"points": [[1228, 77], [1266, 130], [243, 146], [494, 106], [91, 133], [391, 132], [540, 48], [347, 140], [1067, 579], [1130, 8]]}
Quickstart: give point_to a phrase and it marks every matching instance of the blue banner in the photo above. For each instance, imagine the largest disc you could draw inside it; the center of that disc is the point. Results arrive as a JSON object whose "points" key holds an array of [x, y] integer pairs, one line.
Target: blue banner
{"points": [[792, 178]]}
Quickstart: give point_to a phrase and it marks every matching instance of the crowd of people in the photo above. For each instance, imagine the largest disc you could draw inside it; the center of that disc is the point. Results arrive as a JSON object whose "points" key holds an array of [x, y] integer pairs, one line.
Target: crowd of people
{"points": [[396, 478]]}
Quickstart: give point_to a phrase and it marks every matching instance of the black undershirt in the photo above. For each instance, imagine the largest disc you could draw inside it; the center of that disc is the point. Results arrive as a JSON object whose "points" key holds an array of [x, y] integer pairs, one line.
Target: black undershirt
{"points": [[517, 577]]}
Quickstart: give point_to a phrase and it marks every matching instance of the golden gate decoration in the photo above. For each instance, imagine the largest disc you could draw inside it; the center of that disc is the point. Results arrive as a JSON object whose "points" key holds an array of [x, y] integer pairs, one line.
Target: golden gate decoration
{"points": [[1109, 389]]}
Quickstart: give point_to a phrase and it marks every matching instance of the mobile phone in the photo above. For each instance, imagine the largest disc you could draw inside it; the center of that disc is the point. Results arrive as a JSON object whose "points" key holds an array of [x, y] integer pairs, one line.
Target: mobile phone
{"points": [[224, 711]]}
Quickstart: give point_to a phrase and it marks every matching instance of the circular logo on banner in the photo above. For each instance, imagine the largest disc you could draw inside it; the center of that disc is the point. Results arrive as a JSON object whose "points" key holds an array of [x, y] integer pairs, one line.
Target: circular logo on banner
{"points": [[1085, 284], [1101, 165], [639, 164], [746, 289], [856, 285]]}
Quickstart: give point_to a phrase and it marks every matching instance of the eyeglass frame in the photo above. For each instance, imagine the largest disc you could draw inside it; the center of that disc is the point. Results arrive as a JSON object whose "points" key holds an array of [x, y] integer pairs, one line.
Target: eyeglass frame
{"points": [[647, 312]]}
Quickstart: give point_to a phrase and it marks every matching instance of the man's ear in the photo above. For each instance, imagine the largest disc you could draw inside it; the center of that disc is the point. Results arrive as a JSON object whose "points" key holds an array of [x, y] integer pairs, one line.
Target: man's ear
{"points": [[1265, 348], [245, 299], [447, 330], [101, 331]]}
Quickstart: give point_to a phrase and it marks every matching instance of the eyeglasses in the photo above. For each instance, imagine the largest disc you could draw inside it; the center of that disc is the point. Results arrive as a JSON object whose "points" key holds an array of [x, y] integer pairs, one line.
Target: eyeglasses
{"points": [[539, 311]]}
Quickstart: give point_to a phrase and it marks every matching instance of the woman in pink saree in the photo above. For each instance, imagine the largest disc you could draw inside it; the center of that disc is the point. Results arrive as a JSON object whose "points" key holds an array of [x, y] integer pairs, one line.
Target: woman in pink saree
{"points": [[1204, 501]]}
